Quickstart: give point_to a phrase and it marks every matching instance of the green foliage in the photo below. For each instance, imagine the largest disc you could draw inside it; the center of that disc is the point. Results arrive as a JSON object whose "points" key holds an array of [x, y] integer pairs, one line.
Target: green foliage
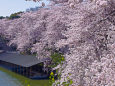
{"points": [[34, 54], [70, 82], [1, 17], [40, 64], [28, 52], [56, 59], [15, 15], [23, 53], [51, 77]]}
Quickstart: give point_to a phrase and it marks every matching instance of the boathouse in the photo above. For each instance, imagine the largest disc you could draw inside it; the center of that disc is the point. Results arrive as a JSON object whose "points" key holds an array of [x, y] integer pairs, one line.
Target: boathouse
{"points": [[26, 65]]}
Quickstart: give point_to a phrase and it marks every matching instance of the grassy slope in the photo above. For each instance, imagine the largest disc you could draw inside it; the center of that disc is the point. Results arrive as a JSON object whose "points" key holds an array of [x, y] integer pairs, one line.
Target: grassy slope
{"points": [[25, 81]]}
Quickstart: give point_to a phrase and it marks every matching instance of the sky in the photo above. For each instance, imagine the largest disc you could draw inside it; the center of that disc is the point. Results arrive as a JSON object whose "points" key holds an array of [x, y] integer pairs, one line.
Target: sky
{"points": [[7, 7]]}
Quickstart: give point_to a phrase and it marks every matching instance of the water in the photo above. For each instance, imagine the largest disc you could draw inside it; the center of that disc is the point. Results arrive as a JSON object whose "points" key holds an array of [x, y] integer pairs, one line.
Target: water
{"points": [[7, 80]]}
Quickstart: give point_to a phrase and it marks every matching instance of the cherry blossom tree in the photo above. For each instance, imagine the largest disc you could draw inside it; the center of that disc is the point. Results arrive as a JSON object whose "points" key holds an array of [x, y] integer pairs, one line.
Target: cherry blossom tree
{"points": [[84, 31]]}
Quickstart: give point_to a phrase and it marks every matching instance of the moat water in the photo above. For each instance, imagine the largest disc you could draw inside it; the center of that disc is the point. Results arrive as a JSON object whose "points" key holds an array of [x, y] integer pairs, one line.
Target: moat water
{"points": [[7, 80]]}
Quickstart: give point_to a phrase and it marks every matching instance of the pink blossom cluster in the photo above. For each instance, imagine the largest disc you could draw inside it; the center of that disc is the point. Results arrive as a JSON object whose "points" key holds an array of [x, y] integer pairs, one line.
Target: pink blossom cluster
{"points": [[85, 34]]}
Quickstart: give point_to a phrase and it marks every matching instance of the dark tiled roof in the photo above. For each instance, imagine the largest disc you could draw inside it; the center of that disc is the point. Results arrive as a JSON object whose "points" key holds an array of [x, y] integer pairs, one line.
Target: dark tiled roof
{"points": [[18, 59]]}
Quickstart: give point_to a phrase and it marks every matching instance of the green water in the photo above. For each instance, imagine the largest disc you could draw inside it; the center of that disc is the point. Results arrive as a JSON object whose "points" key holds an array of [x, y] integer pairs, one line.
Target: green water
{"points": [[8, 78]]}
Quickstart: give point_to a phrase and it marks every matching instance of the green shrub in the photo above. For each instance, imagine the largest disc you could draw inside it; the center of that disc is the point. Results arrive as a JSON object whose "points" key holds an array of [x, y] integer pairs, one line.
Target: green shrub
{"points": [[15, 15], [51, 78], [57, 59]]}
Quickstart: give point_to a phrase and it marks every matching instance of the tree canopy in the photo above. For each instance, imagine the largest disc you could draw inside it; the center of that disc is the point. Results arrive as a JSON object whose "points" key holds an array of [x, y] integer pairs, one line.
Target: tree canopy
{"points": [[83, 33]]}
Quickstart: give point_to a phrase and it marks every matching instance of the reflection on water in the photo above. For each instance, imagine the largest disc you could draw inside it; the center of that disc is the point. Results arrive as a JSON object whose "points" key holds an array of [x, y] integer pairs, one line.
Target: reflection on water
{"points": [[6, 80]]}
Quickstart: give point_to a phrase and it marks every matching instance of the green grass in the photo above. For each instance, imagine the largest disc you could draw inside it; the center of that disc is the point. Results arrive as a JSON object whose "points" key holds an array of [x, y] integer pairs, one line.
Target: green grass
{"points": [[26, 81]]}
